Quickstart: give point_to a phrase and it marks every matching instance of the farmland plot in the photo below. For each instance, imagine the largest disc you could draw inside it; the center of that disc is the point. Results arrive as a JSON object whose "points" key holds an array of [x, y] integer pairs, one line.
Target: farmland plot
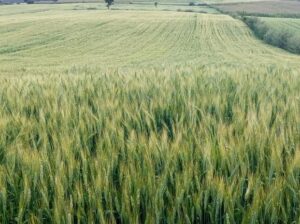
{"points": [[57, 40], [280, 32], [267, 8], [145, 117], [293, 25]]}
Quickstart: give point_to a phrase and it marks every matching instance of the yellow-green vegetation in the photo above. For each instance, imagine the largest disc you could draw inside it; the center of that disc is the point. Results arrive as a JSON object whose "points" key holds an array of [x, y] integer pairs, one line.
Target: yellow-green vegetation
{"points": [[161, 1], [62, 39], [293, 25], [173, 146], [145, 117], [288, 29], [286, 8], [280, 32]]}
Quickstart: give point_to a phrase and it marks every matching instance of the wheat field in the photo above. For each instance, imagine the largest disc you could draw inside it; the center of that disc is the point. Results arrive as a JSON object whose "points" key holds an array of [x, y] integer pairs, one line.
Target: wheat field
{"points": [[145, 117], [64, 38]]}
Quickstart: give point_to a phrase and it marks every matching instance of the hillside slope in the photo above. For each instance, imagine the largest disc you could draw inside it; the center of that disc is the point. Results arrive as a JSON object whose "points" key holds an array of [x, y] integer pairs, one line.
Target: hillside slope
{"points": [[57, 39], [144, 117]]}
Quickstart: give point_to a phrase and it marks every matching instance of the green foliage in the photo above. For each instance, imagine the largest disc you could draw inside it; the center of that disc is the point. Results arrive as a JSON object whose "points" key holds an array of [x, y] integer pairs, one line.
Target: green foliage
{"points": [[280, 36], [29, 1], [144, 117], [151, 147], [109, 3], [49, 39]]}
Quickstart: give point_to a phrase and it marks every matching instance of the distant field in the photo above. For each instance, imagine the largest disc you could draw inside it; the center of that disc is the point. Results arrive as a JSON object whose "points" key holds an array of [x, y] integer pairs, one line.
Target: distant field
{"points": [[139, 1], [182, 8], [150, 7], [280, 32], [162, 1], [293, 25], [288, 31], [232, 1], [145, 6], [42, 37], [264, 7]]}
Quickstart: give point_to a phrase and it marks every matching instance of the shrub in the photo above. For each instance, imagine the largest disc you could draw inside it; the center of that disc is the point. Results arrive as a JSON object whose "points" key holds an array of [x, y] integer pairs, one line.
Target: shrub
{"points": [[284, 38], [29, 1], [294, 44]]}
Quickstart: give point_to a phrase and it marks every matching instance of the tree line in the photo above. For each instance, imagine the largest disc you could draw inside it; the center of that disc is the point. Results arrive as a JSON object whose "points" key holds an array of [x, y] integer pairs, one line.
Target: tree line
{"points": [[283, 38]]}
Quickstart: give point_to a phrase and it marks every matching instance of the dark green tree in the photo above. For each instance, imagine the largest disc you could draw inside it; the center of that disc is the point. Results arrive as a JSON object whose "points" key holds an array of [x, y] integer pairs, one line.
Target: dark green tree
{"points": [[109, 3], [29, 1]]}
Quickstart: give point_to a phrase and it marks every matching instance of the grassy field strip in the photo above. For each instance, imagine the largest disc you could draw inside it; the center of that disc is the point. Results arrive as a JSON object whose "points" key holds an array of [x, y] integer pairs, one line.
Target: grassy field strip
{"points": [[283, 23], [280, 32], [264, 8], [232, 37], [7, 10], [162, 1], [233, 1], [176, 7]]}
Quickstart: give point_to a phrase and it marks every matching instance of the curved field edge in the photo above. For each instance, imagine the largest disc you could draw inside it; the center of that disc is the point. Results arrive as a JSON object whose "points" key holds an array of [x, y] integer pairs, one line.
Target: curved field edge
{"points": [[262, 8], [282, 33]]}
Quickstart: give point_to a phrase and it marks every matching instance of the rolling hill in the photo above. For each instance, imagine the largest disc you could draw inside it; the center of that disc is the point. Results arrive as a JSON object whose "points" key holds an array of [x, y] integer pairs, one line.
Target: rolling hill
{"points": [[49, 38], [136, 115]]}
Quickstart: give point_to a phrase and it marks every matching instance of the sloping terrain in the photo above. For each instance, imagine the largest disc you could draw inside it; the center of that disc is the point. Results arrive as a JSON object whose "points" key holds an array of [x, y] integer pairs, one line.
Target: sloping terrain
{"points": [[62, 38], [293, 25], [144, 117]]}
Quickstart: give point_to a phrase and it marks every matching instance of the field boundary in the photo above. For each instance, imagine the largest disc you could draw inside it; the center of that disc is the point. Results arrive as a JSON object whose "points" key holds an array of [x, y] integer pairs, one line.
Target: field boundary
{"points": [[283, 39]]}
